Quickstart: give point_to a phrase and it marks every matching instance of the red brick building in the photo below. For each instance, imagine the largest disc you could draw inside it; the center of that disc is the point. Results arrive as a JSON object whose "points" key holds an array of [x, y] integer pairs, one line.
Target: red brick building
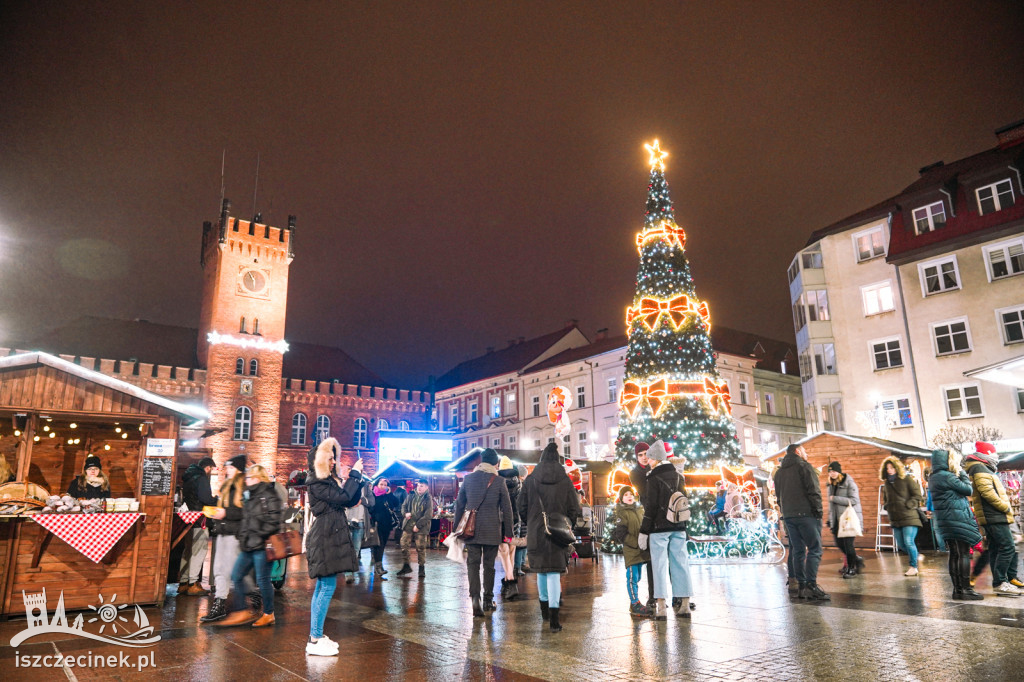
{"points": [[267, 398]]}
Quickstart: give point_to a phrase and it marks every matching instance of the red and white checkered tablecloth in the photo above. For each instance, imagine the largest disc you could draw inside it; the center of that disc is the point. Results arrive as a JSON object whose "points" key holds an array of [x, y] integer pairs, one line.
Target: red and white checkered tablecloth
{"points": [[91, 534], [190, 517]]}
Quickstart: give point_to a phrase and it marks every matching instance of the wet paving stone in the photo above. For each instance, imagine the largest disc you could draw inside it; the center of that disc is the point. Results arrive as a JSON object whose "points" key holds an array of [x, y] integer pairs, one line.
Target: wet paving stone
{"points": [[878, 626]]}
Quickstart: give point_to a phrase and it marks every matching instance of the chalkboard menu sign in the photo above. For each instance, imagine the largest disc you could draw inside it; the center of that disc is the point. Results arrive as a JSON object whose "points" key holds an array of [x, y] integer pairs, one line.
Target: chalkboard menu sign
{"points": [[156, 475]]}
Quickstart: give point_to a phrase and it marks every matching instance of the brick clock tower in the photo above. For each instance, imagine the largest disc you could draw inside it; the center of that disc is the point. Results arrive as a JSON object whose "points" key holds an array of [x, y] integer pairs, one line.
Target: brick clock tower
{"points": [[241, 333]]}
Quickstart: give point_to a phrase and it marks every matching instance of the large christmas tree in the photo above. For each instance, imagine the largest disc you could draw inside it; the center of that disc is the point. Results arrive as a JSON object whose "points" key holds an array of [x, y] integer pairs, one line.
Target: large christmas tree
{"points": [[672, 389]]}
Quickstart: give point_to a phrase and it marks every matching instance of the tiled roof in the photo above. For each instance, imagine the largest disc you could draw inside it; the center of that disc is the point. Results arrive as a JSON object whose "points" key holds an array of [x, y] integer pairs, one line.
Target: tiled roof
{"points": [[509, 359], [770, 356], [162, 344], [876, 212], [582, 352]]}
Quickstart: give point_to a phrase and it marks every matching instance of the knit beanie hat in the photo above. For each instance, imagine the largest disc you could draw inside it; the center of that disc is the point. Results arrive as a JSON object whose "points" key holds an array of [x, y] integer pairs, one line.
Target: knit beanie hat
{"points": [[238, 461], [92, 461], [986, 452], [835, 466], [505, 463], [659, 451], [489, 456]]}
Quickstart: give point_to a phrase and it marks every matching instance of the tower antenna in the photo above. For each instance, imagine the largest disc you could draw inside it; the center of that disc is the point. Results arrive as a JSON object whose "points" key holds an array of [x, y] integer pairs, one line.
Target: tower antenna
{"points": [[223, 155], [256, 185]]}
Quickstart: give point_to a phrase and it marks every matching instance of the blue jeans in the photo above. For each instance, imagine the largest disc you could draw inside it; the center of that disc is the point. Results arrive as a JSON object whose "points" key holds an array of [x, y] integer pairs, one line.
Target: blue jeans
{"points": [[246, 562], [671, 565], [906, 540], [519, 558], [632, 581], [549, 587], [805, 544], [357, 541], [322, 594]]}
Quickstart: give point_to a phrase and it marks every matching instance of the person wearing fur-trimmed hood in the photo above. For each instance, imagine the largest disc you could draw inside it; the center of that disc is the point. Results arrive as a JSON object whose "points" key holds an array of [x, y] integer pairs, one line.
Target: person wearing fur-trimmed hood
{"points": [[329, 549], [902, 498]]}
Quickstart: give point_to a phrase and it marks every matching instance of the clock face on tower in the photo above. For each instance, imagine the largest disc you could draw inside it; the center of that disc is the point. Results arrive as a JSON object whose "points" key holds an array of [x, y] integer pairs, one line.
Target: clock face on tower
{"points": [[253, 282]]}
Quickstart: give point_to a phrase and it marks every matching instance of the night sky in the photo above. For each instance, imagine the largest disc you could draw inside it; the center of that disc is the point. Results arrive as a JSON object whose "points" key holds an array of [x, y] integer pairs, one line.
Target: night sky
{"points": [[464, 174]]}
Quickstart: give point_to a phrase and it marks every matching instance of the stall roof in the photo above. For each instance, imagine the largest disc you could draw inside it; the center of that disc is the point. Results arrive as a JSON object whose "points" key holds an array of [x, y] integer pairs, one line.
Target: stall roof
{"points": [[1007, 372], [1014, 462], [402, 470], [465, 463], [192, 412], [890, 445]]}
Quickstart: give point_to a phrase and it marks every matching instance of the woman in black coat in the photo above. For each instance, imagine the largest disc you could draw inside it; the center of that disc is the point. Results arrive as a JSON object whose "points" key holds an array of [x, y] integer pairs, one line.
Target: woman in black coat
{"points": [[386, 512], [261, 517], [951, 488], [329, 549], [548, 490]]}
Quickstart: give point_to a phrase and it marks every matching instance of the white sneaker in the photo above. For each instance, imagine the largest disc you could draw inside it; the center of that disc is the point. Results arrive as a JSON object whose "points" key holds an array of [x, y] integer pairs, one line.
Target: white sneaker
{"points": [[328, 639], [322, 647], [1008, 590], [913, 571]]}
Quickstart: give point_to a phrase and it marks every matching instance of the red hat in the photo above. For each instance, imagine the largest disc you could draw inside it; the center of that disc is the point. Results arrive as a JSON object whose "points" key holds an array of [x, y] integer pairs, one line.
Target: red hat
{"points": [[984, 448], [641, 447]]}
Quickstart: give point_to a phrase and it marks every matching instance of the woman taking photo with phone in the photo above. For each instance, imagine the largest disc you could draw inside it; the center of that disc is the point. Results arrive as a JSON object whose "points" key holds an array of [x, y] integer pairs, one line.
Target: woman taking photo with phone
{"points": [[329, 549]]}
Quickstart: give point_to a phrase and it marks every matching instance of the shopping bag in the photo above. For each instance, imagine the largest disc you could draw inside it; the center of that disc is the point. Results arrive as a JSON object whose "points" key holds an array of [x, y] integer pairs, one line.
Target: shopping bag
{"points": [[849, 524], [455, 547]]}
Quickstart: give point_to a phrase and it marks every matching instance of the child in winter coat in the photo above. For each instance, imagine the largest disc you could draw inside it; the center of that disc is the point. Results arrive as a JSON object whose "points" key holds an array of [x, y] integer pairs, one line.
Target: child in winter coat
{"points": [[630, 514]]}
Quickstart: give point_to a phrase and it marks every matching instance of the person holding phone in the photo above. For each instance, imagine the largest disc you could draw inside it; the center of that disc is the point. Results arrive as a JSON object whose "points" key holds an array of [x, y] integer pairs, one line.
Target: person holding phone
{"points": [[329, 548], [386, 514]]}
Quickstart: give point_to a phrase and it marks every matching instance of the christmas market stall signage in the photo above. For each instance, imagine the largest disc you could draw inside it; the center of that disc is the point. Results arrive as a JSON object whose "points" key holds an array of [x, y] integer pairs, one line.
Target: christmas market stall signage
{"points": [[157, 467]]}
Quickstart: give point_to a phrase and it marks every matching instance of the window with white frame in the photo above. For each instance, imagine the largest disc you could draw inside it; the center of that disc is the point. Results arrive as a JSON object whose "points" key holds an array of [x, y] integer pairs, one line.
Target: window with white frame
{"points": [[810, 306], [496, 442], [243, 423], [323, 427], [929, 218], [995, 197], [1011, 322], [877, 298], [951, 337], [359, 433], [939, 276], [811, 258], [743, 392], [963, 401], [495, 406], [613, 390], [869, 244], [403, 425], [582, 438], [794, 270], [472, 412], [757, 401], [832, 414], [239, 366], [1006, 259], [535, 404], [1019, 399], [886, 353], [453, 420], [512, 441], [897, 409], [824, 359], [566, 445], [510, 402], [383, 425], [298, 429], [551, 439], [769, 403], [536, 443], [748, 440], [812, 418], [581, 396]]}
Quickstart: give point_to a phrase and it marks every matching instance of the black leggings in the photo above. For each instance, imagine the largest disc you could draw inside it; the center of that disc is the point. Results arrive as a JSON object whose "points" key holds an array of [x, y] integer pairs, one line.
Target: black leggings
{"points": [[378, 552], [959, 563], [846, 544]]}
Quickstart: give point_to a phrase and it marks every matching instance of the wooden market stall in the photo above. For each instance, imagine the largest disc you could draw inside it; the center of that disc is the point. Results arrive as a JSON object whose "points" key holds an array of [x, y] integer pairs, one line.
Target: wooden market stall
{"points": [[861, 457], [53, 413]]}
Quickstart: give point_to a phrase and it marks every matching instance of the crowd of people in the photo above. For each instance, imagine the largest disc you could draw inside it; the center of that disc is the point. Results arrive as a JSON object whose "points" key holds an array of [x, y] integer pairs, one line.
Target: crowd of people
{"points": [[517, 518]]}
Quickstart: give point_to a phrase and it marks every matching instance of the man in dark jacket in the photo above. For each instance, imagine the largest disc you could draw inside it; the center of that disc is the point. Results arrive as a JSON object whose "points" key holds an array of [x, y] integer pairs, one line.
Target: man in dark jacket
{"points": [[484, 491], [994, 514], [799, 496], [417, 512], [195, 488], [667, 539]]}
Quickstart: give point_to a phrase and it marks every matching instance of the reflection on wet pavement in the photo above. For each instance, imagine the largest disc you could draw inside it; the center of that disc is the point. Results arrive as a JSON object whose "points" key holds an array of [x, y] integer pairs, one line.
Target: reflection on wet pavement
{"points": [[879, 626]]}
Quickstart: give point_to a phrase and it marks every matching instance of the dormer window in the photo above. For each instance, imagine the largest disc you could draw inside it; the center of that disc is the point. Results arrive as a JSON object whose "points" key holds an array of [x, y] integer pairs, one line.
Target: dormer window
{"points": [[929, 218], [995, 197]]}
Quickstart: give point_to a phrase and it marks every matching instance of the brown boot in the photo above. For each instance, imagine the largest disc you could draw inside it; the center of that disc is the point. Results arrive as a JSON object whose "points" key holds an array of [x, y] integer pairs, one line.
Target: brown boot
{"points": [[183, 588], [264, 620], [197, 590], [243, 617]]}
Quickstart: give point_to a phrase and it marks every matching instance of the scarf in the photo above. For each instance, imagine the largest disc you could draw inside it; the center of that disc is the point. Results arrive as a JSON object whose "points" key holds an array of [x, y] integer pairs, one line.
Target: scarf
{"points": [[487, 468], [890, 477], [97, 481]]}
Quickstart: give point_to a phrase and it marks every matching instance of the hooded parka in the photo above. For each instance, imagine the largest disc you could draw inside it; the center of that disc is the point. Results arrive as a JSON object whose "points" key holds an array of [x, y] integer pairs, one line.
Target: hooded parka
{"points": [[901, 496], [547, 489], [951, 512], [632, 515]]}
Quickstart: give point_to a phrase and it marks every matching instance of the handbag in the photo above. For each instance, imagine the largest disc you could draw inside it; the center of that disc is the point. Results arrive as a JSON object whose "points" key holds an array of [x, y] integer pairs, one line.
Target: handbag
{"points": [[849, 524], [557, 526], [371, 538], [518, 542], [284, 545], [467, 524]]}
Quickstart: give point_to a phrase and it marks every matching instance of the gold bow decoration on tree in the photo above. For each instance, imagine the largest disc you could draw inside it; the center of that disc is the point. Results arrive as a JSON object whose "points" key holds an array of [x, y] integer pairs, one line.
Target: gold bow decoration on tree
{"points": [[650, 311], [658, 392], [668, 232]]}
